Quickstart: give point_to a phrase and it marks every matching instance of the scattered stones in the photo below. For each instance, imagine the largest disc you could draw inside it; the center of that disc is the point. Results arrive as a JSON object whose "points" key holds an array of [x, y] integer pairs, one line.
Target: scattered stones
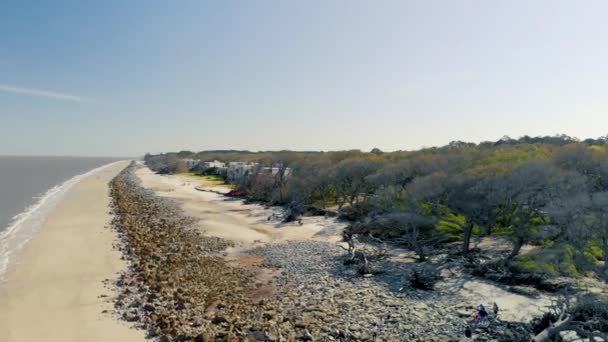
{"points": [[175, 274], [179, 287], [328, 302]]}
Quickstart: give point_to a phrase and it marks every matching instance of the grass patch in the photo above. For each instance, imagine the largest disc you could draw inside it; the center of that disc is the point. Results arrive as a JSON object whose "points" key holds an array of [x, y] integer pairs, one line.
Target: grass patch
{"points": [[554, 261], [210, 178], [217, 179], [528, 264]]}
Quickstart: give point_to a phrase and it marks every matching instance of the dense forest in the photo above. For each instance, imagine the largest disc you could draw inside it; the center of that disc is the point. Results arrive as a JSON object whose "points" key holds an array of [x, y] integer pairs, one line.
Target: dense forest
{"points": [[550, 192]]}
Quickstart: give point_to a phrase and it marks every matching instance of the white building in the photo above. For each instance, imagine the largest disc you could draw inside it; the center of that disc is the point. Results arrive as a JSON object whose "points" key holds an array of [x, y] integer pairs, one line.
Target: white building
{"points": [[214, 164], [275, 170], [238, 170]]}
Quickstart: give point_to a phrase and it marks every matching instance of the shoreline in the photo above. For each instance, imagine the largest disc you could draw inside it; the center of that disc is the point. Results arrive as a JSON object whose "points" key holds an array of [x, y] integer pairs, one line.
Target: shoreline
{"points": [[26, 224], [178, 287], [165, 260], [57, 292], [313, 295]]}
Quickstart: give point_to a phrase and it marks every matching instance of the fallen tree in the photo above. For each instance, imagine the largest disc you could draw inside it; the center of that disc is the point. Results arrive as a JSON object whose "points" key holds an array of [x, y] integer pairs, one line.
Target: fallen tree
{"points": [[362, 256], [586, 315], [407, 228]]}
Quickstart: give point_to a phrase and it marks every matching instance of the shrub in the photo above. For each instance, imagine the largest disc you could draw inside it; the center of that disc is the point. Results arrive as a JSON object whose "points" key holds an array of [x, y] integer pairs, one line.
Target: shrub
{"points": [[424, 277]]}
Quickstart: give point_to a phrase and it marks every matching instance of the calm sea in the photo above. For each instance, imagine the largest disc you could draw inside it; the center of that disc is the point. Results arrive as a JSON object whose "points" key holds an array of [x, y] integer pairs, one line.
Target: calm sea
{"points": [[29, 188]]}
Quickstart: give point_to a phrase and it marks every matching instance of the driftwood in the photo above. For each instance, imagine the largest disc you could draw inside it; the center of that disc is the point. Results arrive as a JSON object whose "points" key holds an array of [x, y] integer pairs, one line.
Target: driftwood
{"points": [[569, 320], [362, 256]]}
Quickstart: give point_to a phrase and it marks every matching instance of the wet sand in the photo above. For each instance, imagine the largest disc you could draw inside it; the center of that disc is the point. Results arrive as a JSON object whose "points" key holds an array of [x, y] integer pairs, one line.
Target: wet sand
{"points": [[56, 292]]}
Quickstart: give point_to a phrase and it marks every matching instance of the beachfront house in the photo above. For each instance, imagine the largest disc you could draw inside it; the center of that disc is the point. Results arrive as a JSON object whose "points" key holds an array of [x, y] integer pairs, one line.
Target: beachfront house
{"points": [[214, 165], [238, 170], [275, 170]]}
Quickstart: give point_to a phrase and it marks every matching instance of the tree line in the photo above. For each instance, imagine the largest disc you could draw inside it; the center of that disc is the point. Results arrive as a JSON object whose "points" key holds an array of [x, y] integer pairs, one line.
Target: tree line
{"points": [[547, 191]]}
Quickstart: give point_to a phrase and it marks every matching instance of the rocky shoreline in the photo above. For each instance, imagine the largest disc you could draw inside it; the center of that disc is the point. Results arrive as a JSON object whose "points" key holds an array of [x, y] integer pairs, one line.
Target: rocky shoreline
{"points": [[177, 287], [329, 300], [181, 287]]}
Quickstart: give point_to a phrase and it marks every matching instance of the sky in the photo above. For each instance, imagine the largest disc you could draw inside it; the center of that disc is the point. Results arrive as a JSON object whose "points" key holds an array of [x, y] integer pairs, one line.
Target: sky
{"points": [[122, 78]]}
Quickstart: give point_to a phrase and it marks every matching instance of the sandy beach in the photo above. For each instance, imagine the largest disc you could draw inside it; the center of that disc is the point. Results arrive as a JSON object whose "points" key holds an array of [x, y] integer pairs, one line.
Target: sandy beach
{"points": [[248, 226], [245, 224], [56, 292]]}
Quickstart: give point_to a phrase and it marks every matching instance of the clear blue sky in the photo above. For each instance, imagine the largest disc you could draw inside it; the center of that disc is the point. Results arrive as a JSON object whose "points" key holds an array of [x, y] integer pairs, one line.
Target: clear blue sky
{"points": [[129, 77]]}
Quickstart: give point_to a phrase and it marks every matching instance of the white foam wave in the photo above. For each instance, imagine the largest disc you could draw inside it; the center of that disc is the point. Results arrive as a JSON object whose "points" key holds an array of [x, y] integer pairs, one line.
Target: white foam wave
{"points": [[24, 225]]}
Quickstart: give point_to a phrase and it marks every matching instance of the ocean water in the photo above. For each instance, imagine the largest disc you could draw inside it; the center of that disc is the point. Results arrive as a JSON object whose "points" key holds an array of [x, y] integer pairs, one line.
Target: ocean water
{"points": [[30, 187]]}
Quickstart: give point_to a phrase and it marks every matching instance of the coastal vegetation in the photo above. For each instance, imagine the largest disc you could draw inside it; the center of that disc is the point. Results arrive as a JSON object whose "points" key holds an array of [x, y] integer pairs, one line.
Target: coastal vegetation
{"points": [[546, 196], [551, 192], [183, 285]]}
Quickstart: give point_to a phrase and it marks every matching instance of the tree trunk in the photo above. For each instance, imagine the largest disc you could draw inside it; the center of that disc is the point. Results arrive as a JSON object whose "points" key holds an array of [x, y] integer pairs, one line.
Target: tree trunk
{"points": [[605, 249], [420, 251], [517, 244], [551, 331], [366, 267], [490, 225], [351, 248], [340, 202], [468, 231], [324, 201]]}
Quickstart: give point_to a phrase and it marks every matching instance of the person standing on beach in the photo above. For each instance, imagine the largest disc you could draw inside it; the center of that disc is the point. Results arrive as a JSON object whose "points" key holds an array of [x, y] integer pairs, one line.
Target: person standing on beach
{"points": [[375, 331]]}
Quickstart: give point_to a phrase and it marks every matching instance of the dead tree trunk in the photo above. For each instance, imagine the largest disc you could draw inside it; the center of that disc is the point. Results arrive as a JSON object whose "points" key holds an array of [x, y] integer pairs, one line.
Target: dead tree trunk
{"points": [[468, 231], [605, 249], [422, 256], [357, 256], [517, 244], [551, 331], [420, 251], [366, 269], [588, 326], [351, 246]]}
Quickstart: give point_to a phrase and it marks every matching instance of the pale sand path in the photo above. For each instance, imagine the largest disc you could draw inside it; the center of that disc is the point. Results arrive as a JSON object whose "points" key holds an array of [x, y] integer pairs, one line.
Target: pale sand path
{"points": [[245, 224], [53, 295]]}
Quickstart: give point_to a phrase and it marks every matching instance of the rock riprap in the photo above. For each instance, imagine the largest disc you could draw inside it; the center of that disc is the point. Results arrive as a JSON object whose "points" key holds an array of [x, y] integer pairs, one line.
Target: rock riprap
{"points": [[180, 287], [177, 286]]}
